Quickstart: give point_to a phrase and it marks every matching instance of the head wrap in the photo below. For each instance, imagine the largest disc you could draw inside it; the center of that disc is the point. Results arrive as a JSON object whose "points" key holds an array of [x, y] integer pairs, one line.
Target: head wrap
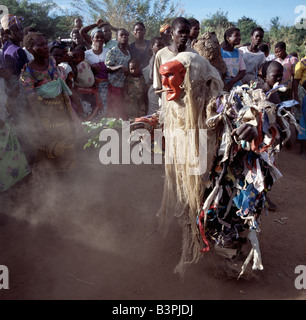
{"points": [[164, 27], [94, 31], [9, 20]]}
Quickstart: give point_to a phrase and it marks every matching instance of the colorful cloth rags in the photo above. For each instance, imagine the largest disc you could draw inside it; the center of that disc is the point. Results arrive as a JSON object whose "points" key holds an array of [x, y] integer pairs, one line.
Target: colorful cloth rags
{"points": [[10, 20]]}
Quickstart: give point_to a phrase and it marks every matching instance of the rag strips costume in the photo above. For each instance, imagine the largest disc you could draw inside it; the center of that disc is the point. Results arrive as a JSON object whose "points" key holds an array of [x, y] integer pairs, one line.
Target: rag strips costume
{"points": [[222, 204]]}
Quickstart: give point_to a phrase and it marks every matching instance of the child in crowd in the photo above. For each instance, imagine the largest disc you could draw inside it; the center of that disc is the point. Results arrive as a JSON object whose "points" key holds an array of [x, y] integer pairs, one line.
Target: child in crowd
{"points": [[85, 77], [288, 62], [233, 58], [117, 60], [266, 50], [61, 57], [84, 84], [136, 91], [272, 72]]}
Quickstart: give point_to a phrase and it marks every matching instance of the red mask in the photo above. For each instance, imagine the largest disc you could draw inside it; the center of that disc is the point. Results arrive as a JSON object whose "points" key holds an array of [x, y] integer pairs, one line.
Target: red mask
{"points": [[173, 73]]}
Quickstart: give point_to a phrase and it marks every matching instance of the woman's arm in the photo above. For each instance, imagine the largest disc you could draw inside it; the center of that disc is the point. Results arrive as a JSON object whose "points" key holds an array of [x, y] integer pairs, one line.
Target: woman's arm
{"points": [[84, 31], [232, 82]]}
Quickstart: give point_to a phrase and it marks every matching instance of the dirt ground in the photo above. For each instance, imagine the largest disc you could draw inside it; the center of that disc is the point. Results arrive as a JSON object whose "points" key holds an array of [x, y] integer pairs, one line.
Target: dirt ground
{"points": [[96, 237]]}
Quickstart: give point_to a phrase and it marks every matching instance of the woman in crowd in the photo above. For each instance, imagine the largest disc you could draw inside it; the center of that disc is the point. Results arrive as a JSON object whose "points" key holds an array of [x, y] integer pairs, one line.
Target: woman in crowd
{"points": [[106, 29], [49, 110], [140, 49], [117, 60], [96, 58]]}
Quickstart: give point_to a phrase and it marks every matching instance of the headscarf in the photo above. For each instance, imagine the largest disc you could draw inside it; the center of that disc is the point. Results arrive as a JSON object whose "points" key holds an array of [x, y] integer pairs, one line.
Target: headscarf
{"points": [[164, 27], [10, 20], [94, 31]]}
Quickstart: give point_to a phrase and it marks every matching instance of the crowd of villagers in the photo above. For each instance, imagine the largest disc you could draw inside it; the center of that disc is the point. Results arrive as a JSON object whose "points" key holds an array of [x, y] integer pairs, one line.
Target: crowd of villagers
{"points": [[48, 89]]}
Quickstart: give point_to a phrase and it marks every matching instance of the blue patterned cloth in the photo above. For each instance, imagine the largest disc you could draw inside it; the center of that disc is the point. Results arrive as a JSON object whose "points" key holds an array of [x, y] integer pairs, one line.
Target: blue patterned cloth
{"points": [[116, 57]]}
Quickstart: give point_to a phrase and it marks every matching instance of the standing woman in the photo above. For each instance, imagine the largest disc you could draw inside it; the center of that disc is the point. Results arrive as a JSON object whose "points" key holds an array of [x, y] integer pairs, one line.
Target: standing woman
{"points": [[252, 56], [233, 58], [52, 132], [96, 58], [140, 49], [117, 60]]}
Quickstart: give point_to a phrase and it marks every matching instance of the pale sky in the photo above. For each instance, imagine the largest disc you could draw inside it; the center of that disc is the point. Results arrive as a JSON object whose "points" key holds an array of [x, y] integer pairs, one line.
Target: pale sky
{"points": [[260, 10]]}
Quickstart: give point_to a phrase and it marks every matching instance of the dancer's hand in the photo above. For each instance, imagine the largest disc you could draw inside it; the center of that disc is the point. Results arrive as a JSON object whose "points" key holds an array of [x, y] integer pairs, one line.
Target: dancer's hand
{"points": [[245, 132]]}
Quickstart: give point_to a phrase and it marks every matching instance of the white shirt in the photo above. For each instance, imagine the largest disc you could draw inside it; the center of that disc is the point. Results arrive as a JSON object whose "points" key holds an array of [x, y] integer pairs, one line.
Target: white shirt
{"points": [[252, 61], [93, 58]]}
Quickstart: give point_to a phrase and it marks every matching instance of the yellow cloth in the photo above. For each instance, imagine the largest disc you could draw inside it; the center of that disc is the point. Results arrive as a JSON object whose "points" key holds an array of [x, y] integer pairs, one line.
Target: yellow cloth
{"points": [[300, 71], [164, 27]]}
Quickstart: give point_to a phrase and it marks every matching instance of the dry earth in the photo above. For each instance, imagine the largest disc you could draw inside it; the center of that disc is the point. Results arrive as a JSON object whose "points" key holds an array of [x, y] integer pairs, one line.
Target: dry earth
{"points": [[95, 237]]}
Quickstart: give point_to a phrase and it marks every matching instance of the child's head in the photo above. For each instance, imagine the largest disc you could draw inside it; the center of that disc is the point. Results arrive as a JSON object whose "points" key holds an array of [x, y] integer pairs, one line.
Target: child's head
{"points": [[57, 53], [123, 36], [232, 36], [280, 50], [36, 43], [78, 23], [157, 43], [195, 28], [76, 37], [134, 68], [78, 54], [272, 72]]}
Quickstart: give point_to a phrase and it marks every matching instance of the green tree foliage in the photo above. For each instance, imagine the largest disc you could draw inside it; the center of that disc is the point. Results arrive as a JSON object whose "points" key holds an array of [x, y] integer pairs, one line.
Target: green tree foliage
{"points": [[42, 16], [218, 23], [125, 13], [246, 25], [294, 38]]}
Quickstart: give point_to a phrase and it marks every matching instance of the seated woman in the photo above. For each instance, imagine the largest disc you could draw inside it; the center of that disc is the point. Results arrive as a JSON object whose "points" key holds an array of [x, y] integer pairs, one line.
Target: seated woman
{"points": [[233, 58], [51, 133]]}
